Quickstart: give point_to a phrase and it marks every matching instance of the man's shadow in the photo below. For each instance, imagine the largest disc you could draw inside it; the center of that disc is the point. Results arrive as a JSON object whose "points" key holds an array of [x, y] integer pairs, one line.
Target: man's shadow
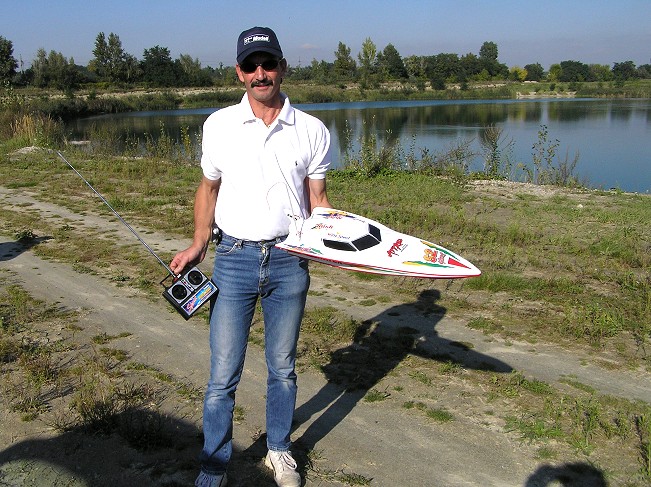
{"points": [[379, 346], [138, 446]]}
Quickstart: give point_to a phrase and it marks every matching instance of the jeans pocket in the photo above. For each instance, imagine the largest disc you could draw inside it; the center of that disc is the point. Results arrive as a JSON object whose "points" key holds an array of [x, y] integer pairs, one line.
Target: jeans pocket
{"points": [[227, 247]]}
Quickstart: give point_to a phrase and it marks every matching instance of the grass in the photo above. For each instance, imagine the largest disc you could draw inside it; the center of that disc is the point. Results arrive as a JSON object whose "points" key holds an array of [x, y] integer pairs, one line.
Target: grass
{"points": [[104, 338], [439, 415], [535, 246], [532, 428], [563, 266], [70, 385], [375, 396], [421, 377], [643, 424]]}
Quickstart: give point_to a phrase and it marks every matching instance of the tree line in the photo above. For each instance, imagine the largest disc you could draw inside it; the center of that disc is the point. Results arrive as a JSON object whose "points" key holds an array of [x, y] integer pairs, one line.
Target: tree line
{"points": [[113, 66]]}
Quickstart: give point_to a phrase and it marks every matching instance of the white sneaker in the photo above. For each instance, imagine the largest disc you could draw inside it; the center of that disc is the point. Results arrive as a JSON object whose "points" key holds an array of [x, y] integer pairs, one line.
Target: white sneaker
{"points": [[205, 480], [284, 467]]}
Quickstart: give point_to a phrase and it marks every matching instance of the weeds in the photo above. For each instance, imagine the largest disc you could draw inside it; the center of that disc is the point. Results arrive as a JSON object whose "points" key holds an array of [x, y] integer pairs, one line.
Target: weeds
{"points": [[439, 415], [643, 427], [326, 323], [38, 130], [24, 236], [371, 160], [374, 159], [104, 338], [375, 396], [38, 363], [578, 385], [182, 148], [115, 354], [353, 479], [43, 374], [547, 167], [594, 322], [587, 416], [532, 428], [554, 271], [450, 368], [30, 407], [497, 152], [311, 460], [421, 377]]}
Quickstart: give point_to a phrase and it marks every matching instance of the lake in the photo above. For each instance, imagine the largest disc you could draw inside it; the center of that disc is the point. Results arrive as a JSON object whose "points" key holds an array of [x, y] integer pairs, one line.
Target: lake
{"points": [[611, 137]]}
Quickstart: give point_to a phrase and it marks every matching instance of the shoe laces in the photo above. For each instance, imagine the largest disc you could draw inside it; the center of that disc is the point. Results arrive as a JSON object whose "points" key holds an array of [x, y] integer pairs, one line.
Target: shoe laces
{"points": [[285, 460]]}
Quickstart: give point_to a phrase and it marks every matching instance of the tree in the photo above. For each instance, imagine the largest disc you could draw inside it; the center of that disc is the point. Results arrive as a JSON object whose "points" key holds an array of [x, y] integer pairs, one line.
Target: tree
{"points": [[344, 65], [624, 71], [110, 62], [116, 58], [8, 63], [415, 66], [193, 74], [488, 57], [644, 71], [321, 71], [535, 72], [225, 76], [488, 52], [40, 69], [575, 71], [63, 73], [367, 60], [391, 64], [471, 65], [132, 71], [158, 69], [442, 69], [516, 73], [554, 72], [601, 72], [54, 70]]}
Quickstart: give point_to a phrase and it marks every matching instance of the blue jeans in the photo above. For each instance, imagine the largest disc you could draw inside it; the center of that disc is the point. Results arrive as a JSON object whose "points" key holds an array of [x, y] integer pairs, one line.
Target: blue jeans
{"points": [[245, 271]]}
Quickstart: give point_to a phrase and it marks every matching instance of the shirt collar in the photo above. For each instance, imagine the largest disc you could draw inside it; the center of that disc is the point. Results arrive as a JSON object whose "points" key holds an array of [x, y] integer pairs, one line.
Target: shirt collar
{"points": [[286, 115]]}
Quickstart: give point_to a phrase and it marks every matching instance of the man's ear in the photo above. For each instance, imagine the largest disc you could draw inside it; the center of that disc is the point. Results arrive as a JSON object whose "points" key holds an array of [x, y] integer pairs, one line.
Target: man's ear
{"points": [[239, 73], [283, 69]]}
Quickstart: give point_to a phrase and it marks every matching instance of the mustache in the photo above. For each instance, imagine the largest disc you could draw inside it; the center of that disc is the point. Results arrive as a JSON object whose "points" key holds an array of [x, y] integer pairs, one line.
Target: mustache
{"points": [[264, 82]]}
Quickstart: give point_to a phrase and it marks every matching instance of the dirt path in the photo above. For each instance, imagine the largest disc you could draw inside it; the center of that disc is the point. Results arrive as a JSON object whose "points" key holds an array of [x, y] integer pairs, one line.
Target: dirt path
{"points": [[380, 441]]}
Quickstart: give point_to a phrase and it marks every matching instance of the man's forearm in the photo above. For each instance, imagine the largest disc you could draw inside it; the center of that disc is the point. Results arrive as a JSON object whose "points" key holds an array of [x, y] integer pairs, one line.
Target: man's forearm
{"points": [[204, 211]]}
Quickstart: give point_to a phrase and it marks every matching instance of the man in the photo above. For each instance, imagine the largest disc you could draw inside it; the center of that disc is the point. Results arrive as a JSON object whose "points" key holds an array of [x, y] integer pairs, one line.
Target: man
{"points": [[263, 161]]}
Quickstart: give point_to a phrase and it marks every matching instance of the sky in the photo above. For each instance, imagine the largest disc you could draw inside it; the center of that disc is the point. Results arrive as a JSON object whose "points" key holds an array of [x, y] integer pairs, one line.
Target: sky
{"points": [[526, 32]]}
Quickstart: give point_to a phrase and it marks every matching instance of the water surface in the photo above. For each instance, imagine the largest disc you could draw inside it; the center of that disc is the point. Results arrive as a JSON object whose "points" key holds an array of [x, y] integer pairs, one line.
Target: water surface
{"points": [[612, 138]]}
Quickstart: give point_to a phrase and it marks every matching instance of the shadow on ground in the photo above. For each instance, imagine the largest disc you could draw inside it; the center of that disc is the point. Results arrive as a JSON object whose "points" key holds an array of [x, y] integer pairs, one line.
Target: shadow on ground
{"points": [[11, 250], [567, 475], [136, 448], [380, 345]]}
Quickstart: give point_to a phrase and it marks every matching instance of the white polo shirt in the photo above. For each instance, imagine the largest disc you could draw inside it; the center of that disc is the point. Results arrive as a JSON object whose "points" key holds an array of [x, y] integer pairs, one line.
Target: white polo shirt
{"points": [[262, 169]]}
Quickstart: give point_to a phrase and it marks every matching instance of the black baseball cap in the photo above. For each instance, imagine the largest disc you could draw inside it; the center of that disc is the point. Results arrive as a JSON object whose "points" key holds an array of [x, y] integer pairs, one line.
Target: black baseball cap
{"points": [[258, 39]]}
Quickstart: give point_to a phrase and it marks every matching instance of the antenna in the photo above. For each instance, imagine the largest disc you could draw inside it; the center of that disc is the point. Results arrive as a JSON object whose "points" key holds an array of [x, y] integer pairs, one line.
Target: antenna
{"points": [[189, 290], [151, 251]]}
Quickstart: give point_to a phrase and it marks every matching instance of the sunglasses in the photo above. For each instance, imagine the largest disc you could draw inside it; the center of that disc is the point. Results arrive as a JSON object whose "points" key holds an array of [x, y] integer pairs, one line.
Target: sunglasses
{"points": [[267, 65]]}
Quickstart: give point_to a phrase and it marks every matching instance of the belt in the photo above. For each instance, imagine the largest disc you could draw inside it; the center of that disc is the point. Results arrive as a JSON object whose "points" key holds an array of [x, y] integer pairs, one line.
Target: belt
{"points": [[257, 243]]}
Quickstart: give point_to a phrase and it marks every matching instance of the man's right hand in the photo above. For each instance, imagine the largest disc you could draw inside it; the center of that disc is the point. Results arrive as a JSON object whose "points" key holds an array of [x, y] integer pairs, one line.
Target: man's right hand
{"points": [[188, 257]]}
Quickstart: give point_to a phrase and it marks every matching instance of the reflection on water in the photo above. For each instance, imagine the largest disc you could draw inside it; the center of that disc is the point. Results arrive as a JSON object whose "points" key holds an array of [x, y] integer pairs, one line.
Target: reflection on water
{"points": [[611, 137]]}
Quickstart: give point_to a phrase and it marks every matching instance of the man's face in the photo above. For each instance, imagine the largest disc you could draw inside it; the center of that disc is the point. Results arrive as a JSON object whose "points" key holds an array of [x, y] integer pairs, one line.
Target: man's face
{"points": [[260, 83]]}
